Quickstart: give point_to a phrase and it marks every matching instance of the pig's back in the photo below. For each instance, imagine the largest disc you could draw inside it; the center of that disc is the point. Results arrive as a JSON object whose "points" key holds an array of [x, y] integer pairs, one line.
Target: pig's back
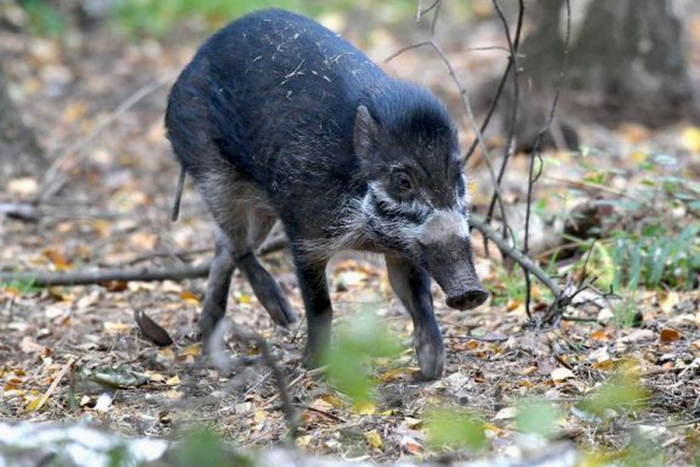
{"points": [[276, 94]]}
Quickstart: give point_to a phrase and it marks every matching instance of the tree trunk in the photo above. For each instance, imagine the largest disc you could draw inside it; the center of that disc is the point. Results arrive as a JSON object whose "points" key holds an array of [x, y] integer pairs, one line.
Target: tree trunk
{"points": [[626, 63], [20, 154]]}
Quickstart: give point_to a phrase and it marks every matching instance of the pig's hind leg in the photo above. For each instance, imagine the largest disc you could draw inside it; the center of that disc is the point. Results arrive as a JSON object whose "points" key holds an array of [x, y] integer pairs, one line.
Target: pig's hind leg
{"points": [[244, 220], [412, 285]]}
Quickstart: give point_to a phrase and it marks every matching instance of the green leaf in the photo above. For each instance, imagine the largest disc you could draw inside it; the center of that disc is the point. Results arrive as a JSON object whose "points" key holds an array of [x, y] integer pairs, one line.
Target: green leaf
{"points": [[455, 428], [537, 417]]}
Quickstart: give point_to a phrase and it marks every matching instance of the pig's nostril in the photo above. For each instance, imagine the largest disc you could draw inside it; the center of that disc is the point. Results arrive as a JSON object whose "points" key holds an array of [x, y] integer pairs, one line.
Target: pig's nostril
{"points": [[468, 300]]}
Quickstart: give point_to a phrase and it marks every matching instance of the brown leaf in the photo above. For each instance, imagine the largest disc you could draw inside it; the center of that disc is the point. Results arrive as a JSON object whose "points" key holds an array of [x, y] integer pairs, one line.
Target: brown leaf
{"points": [[114, 286], [669, 335], [151, 330]]}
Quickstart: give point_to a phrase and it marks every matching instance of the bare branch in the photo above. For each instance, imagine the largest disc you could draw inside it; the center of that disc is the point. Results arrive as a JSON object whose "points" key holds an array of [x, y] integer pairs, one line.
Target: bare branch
{"points": [[219, 358], [145, 274], [532, 178], [53, 182], [523, 260]]}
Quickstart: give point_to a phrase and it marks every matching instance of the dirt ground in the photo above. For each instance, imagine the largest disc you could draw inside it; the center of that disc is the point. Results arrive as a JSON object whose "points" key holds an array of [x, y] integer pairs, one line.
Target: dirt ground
{"points": [[114, 212]]}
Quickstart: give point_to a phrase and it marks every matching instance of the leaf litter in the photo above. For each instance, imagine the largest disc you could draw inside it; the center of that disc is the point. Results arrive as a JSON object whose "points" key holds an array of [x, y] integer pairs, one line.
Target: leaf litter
{"points": [[70, 353]]}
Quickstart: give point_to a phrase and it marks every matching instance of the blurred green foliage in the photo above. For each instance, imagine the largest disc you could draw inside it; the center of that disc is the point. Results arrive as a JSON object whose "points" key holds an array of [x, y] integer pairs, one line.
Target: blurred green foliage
{"points": [[455, 428], [44, 17], [621, 393], [157, 17], [538, 417], [357, 342], [204, 448]]}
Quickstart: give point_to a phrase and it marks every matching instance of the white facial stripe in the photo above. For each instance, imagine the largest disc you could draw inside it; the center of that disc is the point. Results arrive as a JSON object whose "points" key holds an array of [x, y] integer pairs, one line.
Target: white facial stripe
{"points": [[400, 207]]}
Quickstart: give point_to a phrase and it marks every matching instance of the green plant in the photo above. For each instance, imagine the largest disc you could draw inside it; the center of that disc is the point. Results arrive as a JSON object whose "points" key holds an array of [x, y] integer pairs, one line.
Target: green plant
{"points": [[357, 342], [21, 287], [456, 428], [45, 18]]}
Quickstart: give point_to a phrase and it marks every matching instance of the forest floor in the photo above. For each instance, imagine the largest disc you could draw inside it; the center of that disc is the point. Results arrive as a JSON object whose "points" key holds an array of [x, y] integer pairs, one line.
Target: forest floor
{"points": [[114, 212]]}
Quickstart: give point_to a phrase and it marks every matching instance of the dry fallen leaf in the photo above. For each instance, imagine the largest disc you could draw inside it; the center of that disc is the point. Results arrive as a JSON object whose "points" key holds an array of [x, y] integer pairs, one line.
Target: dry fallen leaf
{"points": [[561, 374], [364, 408], [669, 335], [670, 300], [691, 139], [374, 439], [151, 330]]}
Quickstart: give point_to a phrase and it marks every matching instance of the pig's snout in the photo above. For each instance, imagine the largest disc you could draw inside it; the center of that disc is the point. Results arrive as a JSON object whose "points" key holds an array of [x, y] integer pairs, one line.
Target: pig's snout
{"points": [[448, 257], [467, 300]]}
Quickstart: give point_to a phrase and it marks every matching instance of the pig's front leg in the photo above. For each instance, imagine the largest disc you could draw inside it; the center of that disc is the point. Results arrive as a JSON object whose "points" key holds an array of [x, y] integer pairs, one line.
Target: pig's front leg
{"points": [[317, 303], [412, 285]]}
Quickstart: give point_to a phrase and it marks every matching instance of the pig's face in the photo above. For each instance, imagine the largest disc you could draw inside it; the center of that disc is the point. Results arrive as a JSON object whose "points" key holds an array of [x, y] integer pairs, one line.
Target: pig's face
{"points": [[415, 203]]}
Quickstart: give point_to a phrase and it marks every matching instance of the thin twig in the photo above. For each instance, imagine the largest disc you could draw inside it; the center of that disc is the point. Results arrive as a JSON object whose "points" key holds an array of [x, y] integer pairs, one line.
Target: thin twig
{"points": [[220, 359], [52, 182], [532, 178], [55, 382], [280, 381], [513, 47], [523, 260]]}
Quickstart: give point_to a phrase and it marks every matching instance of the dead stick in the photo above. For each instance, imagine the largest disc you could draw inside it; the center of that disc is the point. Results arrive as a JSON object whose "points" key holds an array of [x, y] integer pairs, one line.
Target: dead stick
{"points": [[176, 273], [55, 382], [516, 255]]}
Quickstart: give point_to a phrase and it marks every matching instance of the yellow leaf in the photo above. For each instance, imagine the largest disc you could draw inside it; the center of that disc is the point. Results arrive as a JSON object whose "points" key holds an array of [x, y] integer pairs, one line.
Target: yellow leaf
{"points": [[260, 416], [374, 439], [691, 138], [391, 374], [173, 394], [57, 259], [244, 299], [116, 327], [638, 157], [669, 301], [33, 404], [156, 377], [193, 350], [322, 405], [364, 408], [166, 354], [304, 440], [74, 111], [528, 371], [333, 400], [492, 428], [174, 381], [189, 297]]}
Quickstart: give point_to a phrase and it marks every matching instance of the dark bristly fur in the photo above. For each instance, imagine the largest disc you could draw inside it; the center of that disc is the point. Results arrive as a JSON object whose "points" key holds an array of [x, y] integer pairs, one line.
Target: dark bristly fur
{"points": [[278, 117]]}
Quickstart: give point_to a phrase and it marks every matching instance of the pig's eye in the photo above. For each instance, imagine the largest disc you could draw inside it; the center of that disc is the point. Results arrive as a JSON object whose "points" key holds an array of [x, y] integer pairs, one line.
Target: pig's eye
{"points": [[402, 184]]}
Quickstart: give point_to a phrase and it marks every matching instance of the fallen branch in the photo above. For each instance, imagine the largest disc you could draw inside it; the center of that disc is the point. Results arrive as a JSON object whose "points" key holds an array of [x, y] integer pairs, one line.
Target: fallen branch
{"points": [[145, 274], [524, 261]]}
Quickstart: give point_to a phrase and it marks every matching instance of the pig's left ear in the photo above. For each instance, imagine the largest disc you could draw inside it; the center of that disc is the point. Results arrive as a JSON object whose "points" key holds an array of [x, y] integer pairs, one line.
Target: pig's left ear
{"points": [[364, 134]]}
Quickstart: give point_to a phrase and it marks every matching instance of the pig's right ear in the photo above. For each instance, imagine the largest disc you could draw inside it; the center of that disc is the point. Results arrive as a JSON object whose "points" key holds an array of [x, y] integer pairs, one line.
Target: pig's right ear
{"points": [[365, 133]]}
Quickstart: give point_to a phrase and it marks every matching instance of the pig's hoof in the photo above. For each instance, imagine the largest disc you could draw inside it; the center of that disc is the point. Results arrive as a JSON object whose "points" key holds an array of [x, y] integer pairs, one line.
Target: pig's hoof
{"points": [[431, 360], [281, 313]]}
